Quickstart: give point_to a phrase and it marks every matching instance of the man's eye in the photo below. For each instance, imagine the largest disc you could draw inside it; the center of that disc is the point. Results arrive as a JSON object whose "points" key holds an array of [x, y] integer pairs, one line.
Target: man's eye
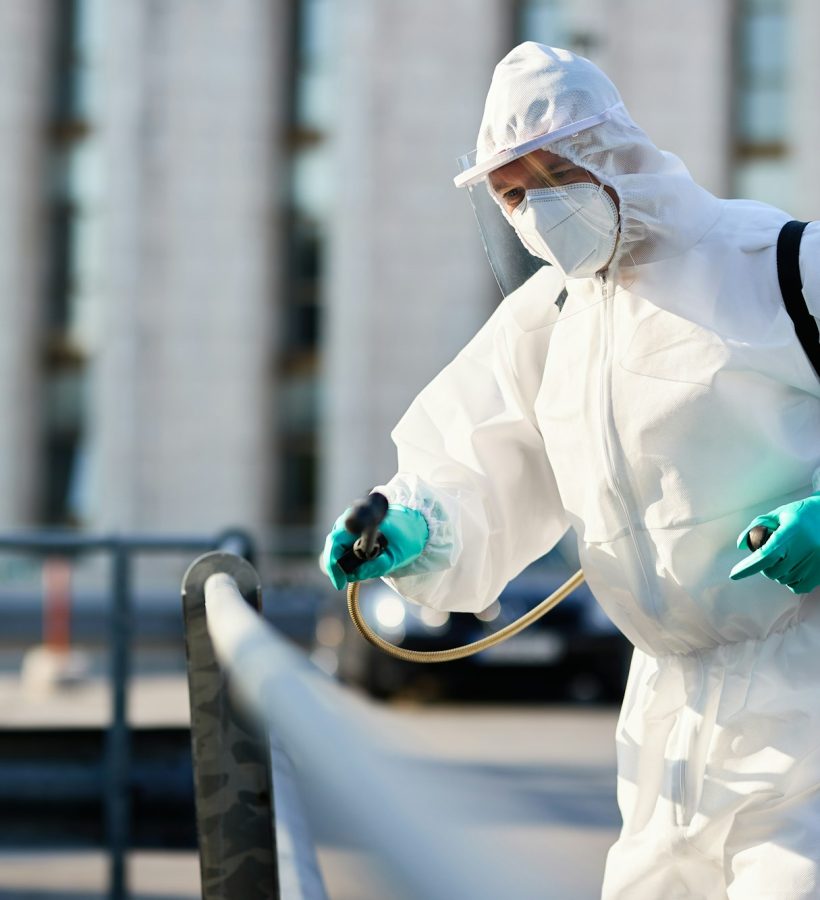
{"points": [[513, 195]]}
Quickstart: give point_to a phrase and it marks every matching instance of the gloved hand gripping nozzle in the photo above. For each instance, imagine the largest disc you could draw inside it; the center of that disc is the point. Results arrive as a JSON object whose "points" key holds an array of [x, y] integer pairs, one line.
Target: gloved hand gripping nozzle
{"points": [[364, 519], [785, 545]]}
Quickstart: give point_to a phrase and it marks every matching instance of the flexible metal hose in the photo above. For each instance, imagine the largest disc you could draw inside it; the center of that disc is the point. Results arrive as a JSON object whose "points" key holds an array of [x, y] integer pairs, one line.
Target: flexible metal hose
{"points": [[438, 656]]}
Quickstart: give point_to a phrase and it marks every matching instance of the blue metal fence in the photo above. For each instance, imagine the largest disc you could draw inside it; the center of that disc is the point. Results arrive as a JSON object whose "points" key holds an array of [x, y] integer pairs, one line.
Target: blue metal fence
{"points": [[122, 551]]}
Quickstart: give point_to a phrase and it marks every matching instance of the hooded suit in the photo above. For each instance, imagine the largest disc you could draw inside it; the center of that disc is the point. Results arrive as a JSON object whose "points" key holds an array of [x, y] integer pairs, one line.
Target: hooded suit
{"points": [[659, 409]]}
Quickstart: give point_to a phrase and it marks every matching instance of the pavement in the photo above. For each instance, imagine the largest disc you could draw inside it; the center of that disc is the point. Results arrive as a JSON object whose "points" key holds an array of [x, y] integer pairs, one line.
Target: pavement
{"points": [[73, 875], [546, 776], [157, 697]]}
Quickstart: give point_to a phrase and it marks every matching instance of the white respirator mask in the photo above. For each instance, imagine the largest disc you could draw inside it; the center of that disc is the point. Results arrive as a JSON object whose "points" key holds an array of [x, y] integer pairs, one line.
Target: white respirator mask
{"points": [[574, 227]]}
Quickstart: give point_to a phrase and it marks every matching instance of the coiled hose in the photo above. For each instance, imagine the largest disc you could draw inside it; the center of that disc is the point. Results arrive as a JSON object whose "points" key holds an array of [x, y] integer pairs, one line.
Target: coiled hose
{"points": [[439, 656]]}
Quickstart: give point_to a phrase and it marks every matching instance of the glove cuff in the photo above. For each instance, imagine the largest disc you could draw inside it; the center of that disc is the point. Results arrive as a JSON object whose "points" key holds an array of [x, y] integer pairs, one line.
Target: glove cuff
{"points": [[443, 545]]}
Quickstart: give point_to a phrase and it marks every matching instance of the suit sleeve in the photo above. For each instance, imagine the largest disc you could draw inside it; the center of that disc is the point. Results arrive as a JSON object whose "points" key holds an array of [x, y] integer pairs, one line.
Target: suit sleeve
{"points": [[472, 460]]}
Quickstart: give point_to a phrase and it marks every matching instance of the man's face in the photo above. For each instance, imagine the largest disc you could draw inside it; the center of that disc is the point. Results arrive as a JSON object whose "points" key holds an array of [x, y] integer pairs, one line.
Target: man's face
{"points": [[539, 169]]}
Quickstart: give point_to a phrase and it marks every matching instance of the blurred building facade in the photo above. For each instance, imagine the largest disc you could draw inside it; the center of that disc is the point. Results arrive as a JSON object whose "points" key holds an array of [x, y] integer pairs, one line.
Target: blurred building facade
{"points": [[233, 252]]}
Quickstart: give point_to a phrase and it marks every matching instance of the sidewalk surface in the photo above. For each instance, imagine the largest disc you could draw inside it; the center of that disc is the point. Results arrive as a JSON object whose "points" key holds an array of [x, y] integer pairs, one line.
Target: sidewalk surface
{"points": [[549, 774]]}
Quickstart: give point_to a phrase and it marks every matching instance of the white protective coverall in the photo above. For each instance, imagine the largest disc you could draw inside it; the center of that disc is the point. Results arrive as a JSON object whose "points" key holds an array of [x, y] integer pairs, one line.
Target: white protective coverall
{"points": [[662, 409]]}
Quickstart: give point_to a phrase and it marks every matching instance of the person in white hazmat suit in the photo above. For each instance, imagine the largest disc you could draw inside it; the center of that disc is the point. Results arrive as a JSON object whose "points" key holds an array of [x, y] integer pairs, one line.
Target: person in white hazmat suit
{"points": [[658, 409]]}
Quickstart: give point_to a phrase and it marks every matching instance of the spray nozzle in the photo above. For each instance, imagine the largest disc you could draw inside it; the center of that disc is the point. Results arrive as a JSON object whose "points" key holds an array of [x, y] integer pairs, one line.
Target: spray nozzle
{"points": [[364, 519]]}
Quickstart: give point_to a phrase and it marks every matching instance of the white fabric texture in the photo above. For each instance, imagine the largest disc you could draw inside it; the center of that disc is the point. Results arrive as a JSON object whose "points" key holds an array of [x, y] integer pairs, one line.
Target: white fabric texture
{"points": [[662, 409], [487, 473], [520, 114]]}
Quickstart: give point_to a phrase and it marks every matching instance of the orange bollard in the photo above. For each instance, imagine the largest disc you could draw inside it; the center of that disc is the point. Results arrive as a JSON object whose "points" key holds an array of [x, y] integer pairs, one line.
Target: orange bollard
{"points": [[56, 577], [53, 664]]}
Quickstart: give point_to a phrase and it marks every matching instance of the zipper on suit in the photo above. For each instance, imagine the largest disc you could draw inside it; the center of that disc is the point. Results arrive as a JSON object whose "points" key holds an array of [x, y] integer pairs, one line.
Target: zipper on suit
{"points": [[684, 801], [619, 486]]}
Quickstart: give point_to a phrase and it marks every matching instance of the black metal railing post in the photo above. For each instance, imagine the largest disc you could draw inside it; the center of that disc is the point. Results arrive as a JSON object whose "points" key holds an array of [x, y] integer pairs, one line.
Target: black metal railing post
{"points": [[117, 798], [232, 771]]}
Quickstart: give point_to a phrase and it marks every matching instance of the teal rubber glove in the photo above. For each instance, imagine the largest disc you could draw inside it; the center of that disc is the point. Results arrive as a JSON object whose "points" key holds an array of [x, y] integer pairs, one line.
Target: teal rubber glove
{"points": [[791, 556], [406, 532]]}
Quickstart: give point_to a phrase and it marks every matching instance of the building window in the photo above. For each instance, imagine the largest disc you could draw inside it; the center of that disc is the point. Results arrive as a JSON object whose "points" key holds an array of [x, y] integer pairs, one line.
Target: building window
{"points": [[761, 125], [556, 24], [73, 259], [311, 121], [542, 21]]}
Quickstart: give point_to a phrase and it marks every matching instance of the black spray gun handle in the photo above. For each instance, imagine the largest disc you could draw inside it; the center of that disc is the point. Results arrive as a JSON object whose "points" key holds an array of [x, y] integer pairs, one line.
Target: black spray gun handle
{"points": [[365, 517], [757, 537]]}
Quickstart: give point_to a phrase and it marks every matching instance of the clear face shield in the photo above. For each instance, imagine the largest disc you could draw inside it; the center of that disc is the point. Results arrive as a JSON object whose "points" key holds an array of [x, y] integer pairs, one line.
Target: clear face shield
{"points": [[540, 209], [511, 262]]}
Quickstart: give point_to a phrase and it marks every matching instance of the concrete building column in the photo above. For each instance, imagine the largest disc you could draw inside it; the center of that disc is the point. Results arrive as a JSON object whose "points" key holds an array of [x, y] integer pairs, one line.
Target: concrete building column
{"points": [[407, 281], [183, 375], [673, 67]]}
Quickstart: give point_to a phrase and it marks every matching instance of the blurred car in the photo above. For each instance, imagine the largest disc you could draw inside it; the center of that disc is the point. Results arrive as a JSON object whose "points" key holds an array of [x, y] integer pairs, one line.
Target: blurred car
{"points": [[574, 652]]}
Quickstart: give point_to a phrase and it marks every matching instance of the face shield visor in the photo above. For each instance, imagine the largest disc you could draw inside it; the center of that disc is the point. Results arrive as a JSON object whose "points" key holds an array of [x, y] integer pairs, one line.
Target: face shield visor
{"points": [[511, 262], [541, 209], [535, 208]]}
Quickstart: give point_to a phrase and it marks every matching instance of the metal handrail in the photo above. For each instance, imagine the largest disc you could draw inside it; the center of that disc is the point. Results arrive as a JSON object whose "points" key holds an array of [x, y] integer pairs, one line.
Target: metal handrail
{"points": [[348, 772], [233, 789]]}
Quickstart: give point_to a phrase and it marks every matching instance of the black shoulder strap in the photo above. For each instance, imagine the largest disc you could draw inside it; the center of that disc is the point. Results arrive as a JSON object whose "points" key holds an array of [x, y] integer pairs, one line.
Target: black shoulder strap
{"points": [[791, 286]]}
